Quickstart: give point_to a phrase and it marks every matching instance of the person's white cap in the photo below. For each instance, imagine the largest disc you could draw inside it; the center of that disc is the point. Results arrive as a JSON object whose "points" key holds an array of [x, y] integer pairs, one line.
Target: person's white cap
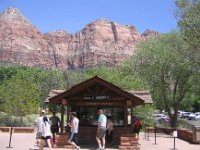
{"points": [[43, 111]]}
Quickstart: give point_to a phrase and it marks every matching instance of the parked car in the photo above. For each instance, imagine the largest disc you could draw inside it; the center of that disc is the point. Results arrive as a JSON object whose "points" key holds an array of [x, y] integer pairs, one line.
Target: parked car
{"points": [[197, 117], [161, 117], [192, 116], [180, 113], [185, 114]]}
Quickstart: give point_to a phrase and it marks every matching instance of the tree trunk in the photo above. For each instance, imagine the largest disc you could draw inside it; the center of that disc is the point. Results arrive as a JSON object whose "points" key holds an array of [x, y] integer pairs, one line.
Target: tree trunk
{"points": [[173, 121], [22, 123]]}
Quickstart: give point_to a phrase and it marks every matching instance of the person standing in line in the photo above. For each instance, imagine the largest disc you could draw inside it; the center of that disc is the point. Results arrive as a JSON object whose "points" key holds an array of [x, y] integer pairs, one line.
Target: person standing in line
{"points": [[74, 125], [109, 130], [101, 130], [46, 133], [55, 124], [39, 121], [137, 127]]}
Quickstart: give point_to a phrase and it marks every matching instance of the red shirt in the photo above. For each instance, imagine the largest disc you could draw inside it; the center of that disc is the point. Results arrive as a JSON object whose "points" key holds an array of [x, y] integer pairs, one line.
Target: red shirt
{"points": [[137, 124]]}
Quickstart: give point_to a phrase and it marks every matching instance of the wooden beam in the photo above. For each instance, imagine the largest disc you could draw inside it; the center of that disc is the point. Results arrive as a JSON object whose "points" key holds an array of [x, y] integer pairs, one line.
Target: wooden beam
{"points": [[62, 117]]}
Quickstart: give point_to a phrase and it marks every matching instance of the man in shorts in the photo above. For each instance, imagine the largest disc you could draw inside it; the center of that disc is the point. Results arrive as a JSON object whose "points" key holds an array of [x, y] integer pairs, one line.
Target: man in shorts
{"points": [[55, 124], [101, 130], [74, 130]]}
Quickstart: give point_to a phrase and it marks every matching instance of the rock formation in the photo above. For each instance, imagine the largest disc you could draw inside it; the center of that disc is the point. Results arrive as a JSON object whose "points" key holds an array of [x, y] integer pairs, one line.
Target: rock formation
{"points": [[101, 42]]}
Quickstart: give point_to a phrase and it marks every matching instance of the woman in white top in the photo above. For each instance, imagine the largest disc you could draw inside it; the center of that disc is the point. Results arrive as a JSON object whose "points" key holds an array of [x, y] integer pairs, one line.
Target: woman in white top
{"points": [[46, 132]]}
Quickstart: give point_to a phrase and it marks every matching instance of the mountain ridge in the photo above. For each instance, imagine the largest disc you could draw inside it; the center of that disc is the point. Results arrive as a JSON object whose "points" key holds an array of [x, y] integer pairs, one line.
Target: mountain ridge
{"points": [[101, 42]]}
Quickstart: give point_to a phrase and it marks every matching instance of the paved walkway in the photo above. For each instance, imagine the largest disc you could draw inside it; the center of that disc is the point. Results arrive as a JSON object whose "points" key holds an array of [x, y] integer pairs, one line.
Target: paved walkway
{"points": [[25, 141], [165, 142]]}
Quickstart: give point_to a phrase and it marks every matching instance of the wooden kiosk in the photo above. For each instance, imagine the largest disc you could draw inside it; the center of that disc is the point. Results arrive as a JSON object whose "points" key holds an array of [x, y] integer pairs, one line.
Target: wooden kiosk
{"points": [[87, 97]]}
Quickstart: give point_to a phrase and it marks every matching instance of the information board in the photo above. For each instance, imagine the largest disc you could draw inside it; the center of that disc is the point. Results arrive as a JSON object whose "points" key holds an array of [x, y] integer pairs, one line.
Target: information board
{"points": [[198, 135]]}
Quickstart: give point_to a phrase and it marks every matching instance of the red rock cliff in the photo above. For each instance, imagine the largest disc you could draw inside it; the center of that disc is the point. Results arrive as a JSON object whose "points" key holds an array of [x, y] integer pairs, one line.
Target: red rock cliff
{"points": [[101, 42]]}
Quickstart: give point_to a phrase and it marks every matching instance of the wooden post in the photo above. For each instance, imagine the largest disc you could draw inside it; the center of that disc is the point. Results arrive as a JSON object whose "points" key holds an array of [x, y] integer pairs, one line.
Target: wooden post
{"points": [[125, 116], [63, 104], [62, 117], [128, 105], [131, 115]]}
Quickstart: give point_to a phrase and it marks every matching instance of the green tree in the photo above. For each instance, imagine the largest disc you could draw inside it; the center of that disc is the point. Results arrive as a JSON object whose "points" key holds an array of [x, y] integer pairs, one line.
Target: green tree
{"points": [[7, 72], [44, 79], [193, 103], [145, 114], [189, 22], [117, 76], [19, 97], [164, 62]]}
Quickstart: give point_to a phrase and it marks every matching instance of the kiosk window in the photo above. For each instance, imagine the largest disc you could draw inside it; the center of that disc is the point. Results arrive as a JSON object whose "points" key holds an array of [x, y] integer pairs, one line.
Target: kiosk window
{"points": [[118, 119], [88, 115]]}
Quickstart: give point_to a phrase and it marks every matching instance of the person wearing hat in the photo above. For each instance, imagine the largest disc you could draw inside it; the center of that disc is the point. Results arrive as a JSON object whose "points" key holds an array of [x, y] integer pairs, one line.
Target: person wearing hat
{"points": [[39, 121], [55, 124]]}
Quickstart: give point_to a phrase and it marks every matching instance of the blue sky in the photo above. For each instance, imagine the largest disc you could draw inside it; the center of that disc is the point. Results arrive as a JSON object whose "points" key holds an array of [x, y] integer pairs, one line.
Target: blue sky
{"points": [[73, 15]]}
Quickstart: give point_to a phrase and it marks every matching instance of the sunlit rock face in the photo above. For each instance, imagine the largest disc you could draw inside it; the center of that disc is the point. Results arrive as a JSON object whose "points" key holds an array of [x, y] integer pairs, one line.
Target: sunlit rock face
{"points": [[101, 42]]}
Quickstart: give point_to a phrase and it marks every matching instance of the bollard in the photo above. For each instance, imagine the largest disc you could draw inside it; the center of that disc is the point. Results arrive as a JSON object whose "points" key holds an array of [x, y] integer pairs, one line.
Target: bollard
{"points": [[145, 131], [10, 138], [155, 133], [174, 143], [175, 135], [148, 135]]}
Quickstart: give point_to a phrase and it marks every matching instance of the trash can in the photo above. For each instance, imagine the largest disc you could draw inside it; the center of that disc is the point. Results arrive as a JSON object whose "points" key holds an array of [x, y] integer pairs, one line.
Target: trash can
{"points": [[196, 134]]}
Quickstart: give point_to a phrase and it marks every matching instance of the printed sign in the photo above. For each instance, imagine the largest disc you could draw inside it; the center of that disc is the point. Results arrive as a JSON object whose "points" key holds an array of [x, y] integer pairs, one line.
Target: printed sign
{"points": [[175, 134], [198, 136]]}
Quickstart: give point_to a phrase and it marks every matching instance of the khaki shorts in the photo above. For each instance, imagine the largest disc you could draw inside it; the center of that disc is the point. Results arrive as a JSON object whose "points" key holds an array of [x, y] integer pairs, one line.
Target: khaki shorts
{"points": [[101, 132]]}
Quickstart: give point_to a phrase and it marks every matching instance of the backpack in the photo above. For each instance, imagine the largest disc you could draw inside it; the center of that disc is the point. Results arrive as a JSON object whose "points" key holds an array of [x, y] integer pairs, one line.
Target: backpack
{"points": [[140, 126]]}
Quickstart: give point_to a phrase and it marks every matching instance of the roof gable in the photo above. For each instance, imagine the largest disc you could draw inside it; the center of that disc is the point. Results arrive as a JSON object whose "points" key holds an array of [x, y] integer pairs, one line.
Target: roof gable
{"points": [[96, 86]]}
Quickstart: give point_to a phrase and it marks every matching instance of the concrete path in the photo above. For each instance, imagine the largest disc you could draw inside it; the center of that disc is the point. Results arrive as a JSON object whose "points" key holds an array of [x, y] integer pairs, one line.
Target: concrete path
{"points": [[165, 142], [26, 141]]}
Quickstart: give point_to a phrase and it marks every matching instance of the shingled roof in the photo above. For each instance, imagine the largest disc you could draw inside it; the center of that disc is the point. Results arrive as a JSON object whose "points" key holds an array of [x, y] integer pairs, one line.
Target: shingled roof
{"points": [[53, 93], [145, 95]]}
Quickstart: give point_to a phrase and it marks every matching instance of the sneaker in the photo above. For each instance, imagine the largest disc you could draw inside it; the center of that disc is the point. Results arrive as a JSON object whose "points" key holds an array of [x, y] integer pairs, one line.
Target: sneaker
{"points": [[78, 148], [100, 148]]}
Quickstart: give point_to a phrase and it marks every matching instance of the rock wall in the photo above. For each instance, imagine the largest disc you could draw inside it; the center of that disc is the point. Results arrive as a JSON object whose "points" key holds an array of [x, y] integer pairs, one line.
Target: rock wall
{"points": [[101, 42]]}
